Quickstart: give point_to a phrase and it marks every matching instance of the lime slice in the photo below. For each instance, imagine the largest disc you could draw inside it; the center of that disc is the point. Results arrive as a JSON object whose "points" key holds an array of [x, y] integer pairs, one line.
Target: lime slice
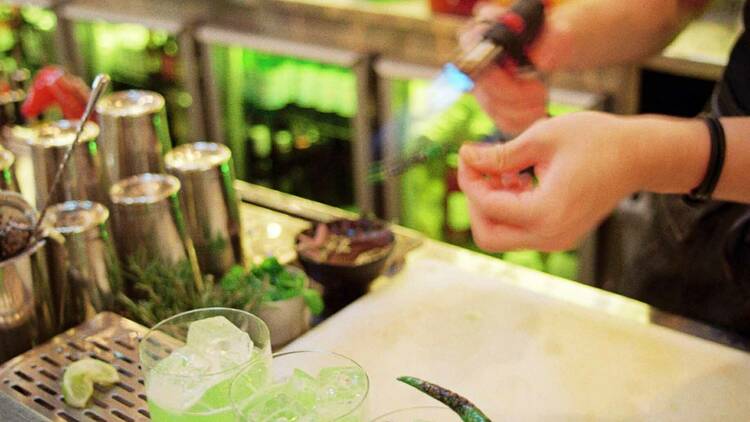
{"points": [[80, 376]]}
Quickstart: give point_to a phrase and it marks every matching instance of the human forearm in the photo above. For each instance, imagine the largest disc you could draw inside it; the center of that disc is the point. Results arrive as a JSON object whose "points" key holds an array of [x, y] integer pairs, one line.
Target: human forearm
{"points": [[674, 154], [590, 33]]}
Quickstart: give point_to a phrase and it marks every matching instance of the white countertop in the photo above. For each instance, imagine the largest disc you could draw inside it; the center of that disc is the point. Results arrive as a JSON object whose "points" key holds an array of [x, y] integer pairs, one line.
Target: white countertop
{"points": [[527, 346]]}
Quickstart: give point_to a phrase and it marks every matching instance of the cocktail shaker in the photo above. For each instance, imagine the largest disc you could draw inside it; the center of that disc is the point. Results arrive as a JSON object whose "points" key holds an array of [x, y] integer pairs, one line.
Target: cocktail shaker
{"points": [[211, 209], [47, 143], [84, 269], [148, 220], [134, 133], [7, 172], [27, 310]]}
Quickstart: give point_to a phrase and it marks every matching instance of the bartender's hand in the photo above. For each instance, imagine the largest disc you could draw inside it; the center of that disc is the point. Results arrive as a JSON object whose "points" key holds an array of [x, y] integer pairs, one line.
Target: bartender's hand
{"points": [[577, 35], [514, 100], [585, 164]]}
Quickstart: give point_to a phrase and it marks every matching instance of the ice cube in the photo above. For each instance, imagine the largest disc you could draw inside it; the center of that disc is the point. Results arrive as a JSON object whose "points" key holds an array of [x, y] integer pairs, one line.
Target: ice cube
{"points": [[276, 404], [221, 341], [303, 387], [253, 377], [176, 383], [340, 390]]}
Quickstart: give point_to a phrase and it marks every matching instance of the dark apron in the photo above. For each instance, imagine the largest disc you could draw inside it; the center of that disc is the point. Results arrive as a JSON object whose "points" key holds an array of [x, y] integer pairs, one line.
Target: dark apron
{"points": [[695, 260]]}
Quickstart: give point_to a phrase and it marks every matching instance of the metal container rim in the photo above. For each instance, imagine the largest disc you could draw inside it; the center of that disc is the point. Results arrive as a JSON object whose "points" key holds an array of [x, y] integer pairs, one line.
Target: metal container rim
{"points": [[139, 103], [59, 133], [197, 157], [118, 193], [99, 212]]}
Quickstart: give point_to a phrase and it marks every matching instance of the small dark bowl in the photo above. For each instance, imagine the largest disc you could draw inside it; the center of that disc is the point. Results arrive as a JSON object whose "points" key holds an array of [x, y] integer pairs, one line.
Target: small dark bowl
{"points": [[343, 283]]}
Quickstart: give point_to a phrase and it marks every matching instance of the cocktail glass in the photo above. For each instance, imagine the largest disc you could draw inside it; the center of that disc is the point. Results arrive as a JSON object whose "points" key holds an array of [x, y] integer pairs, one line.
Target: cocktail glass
{"points": [[420, 414], [304, 387], [189, 362]]}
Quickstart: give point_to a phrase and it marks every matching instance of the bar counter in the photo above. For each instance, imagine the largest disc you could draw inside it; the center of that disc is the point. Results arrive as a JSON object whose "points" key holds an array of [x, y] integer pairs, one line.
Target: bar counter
{"points": [[521, 344]]}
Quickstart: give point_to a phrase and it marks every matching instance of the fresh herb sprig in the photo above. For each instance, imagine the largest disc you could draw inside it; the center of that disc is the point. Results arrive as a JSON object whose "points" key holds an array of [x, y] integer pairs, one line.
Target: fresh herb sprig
{"points": [[280, 283], [161, 290]]}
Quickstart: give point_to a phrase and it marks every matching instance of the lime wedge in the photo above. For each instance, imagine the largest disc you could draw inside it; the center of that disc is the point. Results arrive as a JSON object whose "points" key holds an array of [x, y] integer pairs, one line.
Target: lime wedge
{"points": [[80, 376]]}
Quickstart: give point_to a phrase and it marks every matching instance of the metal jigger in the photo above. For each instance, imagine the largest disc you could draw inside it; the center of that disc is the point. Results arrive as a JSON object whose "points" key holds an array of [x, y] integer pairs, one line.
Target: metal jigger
{"points": [[210, 201], [85, 268], [47, 145], [134, 133], [7, 173], [148, 221], [27, 311]]}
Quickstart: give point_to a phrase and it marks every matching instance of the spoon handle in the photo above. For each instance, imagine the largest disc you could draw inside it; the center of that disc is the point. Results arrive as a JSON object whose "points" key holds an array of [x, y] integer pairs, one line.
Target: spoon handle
{"points": [[97, 88]]}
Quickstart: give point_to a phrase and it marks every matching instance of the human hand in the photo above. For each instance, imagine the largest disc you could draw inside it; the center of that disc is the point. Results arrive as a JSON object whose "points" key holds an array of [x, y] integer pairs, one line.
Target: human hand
{"points": [[513, 100], [585, 164]]}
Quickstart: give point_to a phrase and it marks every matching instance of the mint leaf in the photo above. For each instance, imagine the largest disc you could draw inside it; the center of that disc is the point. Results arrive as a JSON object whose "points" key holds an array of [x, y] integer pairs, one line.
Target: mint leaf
{"points": [[314, 301]]}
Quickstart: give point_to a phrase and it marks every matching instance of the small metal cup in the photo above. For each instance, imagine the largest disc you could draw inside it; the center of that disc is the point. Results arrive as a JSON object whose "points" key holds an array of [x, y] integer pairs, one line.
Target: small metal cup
{"points": [[7, 173], [27, 309], [148, 220], [210, 201], [11, 100], [134, 133], [85, 269], [47, 144]]}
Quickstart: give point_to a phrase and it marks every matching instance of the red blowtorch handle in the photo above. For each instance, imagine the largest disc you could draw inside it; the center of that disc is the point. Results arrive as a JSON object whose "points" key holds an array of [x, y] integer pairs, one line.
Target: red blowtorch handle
{"points": [[516, 29], [506, 40]]}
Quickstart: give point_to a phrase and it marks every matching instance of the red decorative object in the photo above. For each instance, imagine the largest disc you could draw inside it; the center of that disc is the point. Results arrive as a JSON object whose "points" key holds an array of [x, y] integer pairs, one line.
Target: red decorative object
{"points": [[53, 86]]}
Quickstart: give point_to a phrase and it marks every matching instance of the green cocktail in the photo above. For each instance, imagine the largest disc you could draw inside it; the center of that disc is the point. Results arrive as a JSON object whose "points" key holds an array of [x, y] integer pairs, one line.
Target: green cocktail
{"points": [[303, 387], [190, 360]]}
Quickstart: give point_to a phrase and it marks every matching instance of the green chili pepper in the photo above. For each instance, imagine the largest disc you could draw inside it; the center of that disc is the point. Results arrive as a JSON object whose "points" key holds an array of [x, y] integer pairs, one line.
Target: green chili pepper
{"points": [[463, 407]]}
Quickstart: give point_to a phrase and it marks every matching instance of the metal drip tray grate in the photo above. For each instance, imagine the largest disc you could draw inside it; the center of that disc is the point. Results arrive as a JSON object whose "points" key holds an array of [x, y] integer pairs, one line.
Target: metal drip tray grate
{"points": [[34, 377]]}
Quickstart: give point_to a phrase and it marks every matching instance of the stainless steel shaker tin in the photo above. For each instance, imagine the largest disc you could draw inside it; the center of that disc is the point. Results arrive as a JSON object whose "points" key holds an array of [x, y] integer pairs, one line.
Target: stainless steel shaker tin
{"points": [[86, 272], [134, 133], [11, 100], [27, 311], [208, 196], [148, 220], [47, 144], [7, 171]]}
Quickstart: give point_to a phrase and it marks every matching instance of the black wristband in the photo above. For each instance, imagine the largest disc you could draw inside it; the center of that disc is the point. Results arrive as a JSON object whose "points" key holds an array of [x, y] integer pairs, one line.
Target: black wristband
{"points": [[705, 189]]}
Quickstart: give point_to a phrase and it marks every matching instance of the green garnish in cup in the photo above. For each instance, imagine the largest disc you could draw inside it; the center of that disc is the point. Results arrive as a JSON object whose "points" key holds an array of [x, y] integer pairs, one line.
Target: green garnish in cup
{"points": [[276, 281]]}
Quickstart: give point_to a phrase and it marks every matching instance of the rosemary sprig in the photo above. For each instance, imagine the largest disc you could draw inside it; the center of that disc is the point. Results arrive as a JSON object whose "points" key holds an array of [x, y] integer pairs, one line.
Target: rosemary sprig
{"points": [[161, 290]]}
